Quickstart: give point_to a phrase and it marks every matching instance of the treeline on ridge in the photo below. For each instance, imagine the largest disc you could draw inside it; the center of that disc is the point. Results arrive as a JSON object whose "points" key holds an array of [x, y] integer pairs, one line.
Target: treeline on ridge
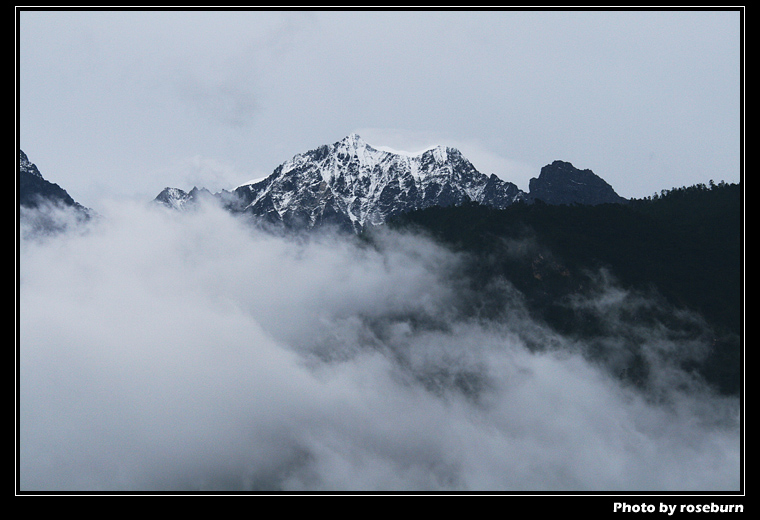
{"points": [[683, 244]]}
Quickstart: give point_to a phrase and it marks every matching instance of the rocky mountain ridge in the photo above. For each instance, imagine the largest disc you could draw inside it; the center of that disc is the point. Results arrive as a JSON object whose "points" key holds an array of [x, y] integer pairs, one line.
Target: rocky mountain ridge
{"points": [[562, 183], [351, 185], [34, 189], [39, 202]]}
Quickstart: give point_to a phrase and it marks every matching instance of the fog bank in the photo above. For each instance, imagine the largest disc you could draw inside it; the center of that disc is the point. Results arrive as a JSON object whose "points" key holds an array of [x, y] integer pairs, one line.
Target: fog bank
{"points": [[170, 351]]}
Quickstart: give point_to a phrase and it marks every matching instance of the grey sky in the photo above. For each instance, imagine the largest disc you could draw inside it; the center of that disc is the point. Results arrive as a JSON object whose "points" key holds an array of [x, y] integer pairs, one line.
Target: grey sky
{"points": [[122, 104]]}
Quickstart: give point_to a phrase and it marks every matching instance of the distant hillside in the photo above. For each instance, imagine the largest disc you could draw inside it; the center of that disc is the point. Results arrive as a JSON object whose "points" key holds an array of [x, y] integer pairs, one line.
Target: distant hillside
{"points": [[683, 245]]}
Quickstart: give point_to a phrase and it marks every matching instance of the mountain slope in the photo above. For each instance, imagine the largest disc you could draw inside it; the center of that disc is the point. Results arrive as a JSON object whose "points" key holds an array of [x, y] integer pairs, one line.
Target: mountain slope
{"points": [[38, 201], [562, 183], [351, 185], [34, 190], [668, 259]]}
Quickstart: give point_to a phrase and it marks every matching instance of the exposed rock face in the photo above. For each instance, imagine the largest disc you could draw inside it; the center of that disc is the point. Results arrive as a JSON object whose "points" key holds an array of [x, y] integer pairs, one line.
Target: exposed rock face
{"points": [[35, 190], [350, 184], [40, 202], [562, 183]]}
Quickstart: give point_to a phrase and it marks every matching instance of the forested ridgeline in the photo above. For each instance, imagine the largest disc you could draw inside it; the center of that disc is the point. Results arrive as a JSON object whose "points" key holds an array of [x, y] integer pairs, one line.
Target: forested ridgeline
{"points": [[682, 246]]}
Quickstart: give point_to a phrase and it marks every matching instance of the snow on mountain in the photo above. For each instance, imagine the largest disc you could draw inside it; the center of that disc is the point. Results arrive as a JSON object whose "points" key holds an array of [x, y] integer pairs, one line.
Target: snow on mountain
{"points": [[44, 207], [34, 190], [173, 197], [353, 184], [26, 166]]}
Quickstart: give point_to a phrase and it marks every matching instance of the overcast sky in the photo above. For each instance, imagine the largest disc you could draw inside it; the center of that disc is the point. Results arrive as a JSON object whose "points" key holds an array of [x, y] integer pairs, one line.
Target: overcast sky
{"points": [[121, 104]]}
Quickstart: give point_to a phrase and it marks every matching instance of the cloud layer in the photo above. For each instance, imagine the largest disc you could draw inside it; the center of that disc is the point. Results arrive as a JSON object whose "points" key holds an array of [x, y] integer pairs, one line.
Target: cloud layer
{"points": [[166, 351]]}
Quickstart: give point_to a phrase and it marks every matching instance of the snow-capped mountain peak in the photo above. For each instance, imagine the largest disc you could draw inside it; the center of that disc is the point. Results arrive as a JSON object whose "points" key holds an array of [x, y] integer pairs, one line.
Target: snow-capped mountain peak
{"points": [[352, 184], [354, 143], [28, 166]]}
